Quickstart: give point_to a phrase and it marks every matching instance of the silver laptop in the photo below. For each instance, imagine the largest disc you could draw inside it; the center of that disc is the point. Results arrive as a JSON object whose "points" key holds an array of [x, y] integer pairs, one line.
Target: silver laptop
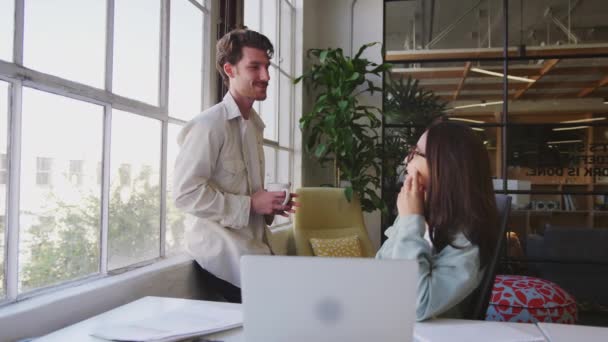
{"points": [[313, 299]]}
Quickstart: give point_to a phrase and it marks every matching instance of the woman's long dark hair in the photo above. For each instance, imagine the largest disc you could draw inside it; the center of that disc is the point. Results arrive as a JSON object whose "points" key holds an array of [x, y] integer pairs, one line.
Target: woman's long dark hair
{"points": [[460, 196]]}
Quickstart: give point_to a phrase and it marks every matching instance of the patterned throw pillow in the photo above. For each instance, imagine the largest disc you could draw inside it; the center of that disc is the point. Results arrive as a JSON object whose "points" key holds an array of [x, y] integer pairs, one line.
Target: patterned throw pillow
{"points": [[341, 247], [517, 298]]}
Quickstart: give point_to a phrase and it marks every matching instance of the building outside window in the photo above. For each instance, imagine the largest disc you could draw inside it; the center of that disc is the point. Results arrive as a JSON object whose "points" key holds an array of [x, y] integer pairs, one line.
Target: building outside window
{"points": [[76, 174], [44, 169]]}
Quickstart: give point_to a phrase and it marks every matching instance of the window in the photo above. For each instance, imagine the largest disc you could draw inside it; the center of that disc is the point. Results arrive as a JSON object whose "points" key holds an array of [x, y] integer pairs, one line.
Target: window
{"points": [[3, 169], [92, 99], [185, 80], [176, 226], [76, 174], [3, 174], [79, 55], [44, 168], [2, 230], [58, 237], [7, 8], [134, 222], [277, 110], [136, 49]]}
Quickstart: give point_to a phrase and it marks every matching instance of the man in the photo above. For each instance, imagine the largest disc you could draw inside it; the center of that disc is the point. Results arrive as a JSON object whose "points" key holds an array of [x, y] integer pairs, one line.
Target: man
{"points": [[219, 172]]}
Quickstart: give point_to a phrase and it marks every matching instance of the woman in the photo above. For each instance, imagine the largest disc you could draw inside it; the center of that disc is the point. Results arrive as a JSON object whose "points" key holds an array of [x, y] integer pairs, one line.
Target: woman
{"points": [[447, 218]]}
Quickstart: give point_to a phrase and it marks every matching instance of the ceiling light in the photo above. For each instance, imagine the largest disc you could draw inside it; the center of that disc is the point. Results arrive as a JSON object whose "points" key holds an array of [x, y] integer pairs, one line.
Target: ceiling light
{"points": [[477, 129], [569, 128], [467, 120], [483, 104], [563, 142], [498, 74], [583, 120]]}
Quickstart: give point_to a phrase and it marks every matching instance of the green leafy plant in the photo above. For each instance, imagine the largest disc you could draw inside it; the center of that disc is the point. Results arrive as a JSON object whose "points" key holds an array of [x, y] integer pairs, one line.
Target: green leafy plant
{"points": [[406, 102], [339, 128], [412, 108]]}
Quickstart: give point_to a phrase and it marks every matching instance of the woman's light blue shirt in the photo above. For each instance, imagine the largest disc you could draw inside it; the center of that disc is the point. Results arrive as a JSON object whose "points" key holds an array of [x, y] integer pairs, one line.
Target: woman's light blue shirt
{"points": [[446, 278]]}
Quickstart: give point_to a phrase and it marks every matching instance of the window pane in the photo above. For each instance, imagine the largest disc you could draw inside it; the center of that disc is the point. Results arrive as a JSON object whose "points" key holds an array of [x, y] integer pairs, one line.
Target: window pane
{"points": [[551, 23], [59, 220], [283, 167], [287, 37], [270, 165], [7, 9], [269, 20], [134, 223], [3, 174], [136, 49], [66, 38], [185, 79], [252, 14], [415, 25], [285, 110], [175, 217], [268, 107]]}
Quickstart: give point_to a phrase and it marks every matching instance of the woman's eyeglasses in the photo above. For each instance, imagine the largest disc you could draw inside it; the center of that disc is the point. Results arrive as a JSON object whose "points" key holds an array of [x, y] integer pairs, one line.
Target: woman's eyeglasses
{"points": [[413, 152]]}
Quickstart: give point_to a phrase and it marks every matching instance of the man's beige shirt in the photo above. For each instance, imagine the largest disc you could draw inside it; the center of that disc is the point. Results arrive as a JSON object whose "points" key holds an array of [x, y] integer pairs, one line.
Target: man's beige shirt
{"points": [[212, 184]]}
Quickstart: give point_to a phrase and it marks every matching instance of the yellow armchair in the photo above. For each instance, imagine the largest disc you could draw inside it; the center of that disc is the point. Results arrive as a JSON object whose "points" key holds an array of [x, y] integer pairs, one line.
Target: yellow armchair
{"points": [[325, 213]]}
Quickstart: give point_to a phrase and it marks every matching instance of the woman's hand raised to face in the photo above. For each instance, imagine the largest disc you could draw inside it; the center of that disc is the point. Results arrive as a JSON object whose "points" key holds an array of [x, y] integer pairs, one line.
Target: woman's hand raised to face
{"points": [[411, 198]]}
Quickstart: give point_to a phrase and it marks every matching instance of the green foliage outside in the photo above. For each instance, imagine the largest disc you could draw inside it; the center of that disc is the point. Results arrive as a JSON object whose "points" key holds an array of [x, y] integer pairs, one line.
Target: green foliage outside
{"points": [[64, 243]]}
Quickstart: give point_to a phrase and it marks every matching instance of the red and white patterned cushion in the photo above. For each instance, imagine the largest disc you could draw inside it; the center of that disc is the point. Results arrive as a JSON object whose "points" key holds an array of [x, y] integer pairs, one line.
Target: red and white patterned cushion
{"points": [[518, 298]]}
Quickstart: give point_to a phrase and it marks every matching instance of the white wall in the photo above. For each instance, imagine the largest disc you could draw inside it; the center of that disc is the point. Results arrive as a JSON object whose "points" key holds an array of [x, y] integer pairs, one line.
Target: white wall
{"points": [[328, 24]]}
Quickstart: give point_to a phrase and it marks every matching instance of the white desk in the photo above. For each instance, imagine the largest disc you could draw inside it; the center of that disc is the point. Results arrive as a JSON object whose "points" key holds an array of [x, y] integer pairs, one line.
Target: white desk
{"points": [[149, 305], [138, 309]]}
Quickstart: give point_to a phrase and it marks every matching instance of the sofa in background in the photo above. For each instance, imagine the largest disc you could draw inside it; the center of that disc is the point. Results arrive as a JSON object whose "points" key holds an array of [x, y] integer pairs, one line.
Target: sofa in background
{"points": [[575, 258]]}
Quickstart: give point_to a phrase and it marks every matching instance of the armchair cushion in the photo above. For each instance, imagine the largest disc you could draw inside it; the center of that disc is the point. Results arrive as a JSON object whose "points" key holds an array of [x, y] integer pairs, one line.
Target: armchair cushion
{"points": [[341, 247]]}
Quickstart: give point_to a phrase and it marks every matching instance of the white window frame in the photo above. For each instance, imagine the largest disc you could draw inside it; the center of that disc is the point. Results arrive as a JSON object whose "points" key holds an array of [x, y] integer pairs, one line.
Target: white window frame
{"points": [[17, 76]]}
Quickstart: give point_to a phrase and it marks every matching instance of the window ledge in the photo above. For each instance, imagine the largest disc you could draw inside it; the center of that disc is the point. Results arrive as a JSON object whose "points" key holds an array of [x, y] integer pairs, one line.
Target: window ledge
{"points": [[177, 276]]}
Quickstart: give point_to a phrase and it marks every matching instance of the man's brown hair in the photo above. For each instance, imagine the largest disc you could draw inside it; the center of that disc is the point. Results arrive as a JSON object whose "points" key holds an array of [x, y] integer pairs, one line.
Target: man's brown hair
{"points": [[230, 48]]}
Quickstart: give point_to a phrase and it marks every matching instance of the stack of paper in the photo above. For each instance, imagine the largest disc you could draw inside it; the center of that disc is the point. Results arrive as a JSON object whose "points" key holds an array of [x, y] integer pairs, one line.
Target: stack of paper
{"points": [[185, 322], [473, 331]]}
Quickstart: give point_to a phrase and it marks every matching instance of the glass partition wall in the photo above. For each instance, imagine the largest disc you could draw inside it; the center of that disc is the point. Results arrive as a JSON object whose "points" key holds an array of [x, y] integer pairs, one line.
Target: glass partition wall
{"points": [[540, 104]]}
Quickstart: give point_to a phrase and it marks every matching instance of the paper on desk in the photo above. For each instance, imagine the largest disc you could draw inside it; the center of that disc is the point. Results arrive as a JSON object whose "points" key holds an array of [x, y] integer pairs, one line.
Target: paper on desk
{"points": [[567, 332], [184, 322], [474, 331]]}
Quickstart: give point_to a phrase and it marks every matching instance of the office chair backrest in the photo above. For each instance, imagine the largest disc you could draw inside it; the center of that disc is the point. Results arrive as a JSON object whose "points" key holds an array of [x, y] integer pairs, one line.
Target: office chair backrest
{"points": [[480, 298], [325, 213]]}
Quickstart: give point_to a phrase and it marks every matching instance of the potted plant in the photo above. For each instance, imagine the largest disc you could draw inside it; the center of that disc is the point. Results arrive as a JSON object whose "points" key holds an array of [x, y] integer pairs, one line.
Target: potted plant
{"points": [[339, 128], [410, 108]]}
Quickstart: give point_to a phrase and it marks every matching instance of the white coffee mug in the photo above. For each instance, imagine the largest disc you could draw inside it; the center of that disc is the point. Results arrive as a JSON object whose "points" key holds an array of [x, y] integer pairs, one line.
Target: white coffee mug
{"points": [[280, 187]]}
